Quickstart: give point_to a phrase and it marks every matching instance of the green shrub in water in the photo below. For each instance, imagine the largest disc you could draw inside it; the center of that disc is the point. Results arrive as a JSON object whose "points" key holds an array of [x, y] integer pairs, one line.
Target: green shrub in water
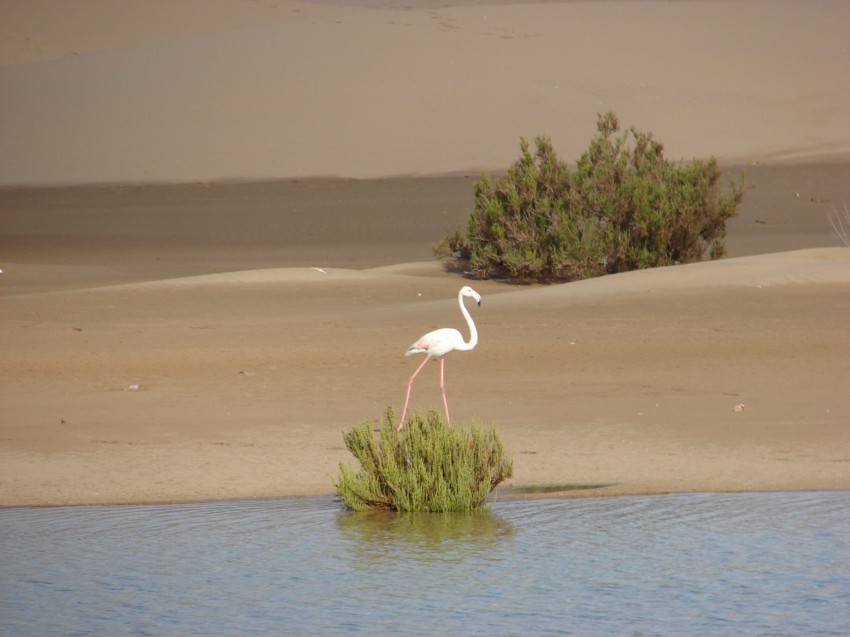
{"points": [[623, 207], [428, 466]]}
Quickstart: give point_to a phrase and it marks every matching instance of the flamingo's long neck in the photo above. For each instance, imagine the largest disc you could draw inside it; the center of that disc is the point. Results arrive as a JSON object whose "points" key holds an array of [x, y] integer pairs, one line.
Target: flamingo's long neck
{"points": [[473, 333]]}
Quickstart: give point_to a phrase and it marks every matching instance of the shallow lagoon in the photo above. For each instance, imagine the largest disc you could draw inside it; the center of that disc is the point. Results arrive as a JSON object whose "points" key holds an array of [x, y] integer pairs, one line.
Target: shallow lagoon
{"points": [[689, 564]]}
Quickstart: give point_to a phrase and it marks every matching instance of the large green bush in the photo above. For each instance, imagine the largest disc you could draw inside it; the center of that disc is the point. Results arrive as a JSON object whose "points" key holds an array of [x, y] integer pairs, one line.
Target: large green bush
{"points": [[426, 467], [623, 207]]}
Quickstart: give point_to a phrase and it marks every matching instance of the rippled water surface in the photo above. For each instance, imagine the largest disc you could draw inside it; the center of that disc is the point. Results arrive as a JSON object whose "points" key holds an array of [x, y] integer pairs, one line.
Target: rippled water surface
{"points": [[714, 564]]}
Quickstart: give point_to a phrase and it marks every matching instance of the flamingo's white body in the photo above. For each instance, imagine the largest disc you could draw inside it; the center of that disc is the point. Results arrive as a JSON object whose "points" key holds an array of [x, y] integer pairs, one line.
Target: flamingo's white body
{"points": [[440, 342]]}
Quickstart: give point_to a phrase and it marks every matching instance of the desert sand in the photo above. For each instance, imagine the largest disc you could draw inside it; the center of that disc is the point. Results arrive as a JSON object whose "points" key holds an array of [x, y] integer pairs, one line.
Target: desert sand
{"points": [[205, 283]]}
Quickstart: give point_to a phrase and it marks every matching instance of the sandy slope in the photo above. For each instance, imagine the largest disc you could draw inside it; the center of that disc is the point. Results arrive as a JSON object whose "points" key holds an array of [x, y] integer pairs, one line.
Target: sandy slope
{"points": [[115, 90]]}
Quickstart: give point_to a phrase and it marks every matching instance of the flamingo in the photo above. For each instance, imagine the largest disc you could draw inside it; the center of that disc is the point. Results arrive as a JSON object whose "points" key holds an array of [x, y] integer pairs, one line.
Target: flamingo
{"points": [[440, 342]]}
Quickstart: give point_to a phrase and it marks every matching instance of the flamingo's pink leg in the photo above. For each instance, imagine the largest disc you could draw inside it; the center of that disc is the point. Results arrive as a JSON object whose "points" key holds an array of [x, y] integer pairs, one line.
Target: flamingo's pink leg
{"points": [[443, 389], [407, 398]]}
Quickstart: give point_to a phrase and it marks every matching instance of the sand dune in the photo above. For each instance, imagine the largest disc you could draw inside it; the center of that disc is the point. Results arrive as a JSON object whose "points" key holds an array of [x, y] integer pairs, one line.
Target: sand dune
{"points": [[814, 266], [310, 89]]}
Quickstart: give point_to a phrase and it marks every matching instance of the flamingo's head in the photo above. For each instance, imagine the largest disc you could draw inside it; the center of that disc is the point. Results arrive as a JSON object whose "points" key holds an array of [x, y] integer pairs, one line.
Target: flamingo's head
{"points": [[468, 291]]}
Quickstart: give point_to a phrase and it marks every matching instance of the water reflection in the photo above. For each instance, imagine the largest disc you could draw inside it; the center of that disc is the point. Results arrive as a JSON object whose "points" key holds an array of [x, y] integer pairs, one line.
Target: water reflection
{"points": [[382, 536], [690, 564]]}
